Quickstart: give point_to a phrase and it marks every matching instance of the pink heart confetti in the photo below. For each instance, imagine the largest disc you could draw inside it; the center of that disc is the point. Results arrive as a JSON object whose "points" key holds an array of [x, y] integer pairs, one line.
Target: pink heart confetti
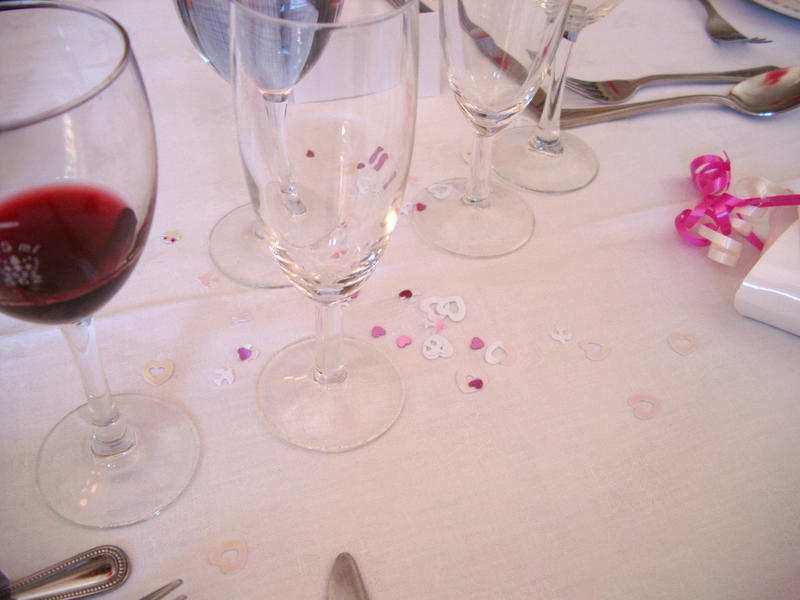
{"points": [[378, 331], [476, 383], [594, 350], [682, 343], [406, 294], [403, 341], [244, 352], [230, 556], [310, 154], [644, 406], [360, 165], [476, 343], [420, 206]]}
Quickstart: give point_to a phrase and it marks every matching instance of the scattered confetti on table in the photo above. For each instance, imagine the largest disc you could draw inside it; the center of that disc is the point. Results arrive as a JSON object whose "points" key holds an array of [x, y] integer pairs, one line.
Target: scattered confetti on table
{"points": [[224, 376], [378, 331], [247, 353], [644, 406], [156, 372], [171, 237], [403, 341], [476, 343], [682, 343], [499, 353], [230, 557], [437, 346], [470, 382], [594, 350]]}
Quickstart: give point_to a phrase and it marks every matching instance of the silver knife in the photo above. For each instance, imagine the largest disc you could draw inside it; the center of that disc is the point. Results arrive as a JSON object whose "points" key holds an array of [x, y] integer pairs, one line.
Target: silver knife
{"points": [[345, 581]]}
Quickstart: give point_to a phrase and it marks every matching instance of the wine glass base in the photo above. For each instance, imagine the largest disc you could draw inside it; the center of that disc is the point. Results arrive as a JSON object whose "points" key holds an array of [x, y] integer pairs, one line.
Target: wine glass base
{"points": [[127, 488], [518, 163], [444, 219], [334, 417], [241, 255]]}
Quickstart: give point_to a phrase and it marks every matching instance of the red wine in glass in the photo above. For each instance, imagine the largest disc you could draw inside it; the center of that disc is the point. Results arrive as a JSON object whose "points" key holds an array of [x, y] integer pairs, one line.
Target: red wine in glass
{"points": [[65, 249]]}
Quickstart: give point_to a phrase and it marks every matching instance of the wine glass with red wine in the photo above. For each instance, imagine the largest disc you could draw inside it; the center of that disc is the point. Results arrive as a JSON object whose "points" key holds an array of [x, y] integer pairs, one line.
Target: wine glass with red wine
{"points": [[237, 243], [78, 172]]}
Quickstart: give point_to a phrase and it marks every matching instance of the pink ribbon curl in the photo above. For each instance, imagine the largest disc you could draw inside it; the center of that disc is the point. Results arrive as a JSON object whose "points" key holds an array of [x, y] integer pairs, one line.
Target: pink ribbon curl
{"points": [[719, 214]]}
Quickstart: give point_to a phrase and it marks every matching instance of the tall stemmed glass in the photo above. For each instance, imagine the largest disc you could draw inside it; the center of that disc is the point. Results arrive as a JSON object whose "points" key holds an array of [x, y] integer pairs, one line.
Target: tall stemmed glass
{"points": [[345, 132], [495, 54], [541, 157], [77, 193], [237, 244]]}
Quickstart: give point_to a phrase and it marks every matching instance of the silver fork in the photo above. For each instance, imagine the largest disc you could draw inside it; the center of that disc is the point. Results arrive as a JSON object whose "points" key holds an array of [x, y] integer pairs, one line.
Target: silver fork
{"points": [[164, 590], [722, 31], [617, 90]]}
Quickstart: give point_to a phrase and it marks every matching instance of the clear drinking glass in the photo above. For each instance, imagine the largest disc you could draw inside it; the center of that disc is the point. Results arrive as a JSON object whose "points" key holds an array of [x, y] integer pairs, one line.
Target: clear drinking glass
{"points": [[495, 54], [325, 116], [77, 193], [236, 244], [540, 157]]}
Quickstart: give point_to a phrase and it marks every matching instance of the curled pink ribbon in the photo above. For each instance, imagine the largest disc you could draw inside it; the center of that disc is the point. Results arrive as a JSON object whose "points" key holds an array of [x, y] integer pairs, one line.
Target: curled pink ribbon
{"points": [[714, 219]]}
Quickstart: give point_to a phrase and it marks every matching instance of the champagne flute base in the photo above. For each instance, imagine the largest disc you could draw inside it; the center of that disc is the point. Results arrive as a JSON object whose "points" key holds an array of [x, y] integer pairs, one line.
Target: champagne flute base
{"points": [[517, 162], [330, 417], [240, 254], [126, 488], [443, 218]]}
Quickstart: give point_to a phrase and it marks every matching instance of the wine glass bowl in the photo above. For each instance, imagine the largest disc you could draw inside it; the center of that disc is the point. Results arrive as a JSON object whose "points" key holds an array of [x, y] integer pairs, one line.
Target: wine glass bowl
{"points": [[541, 157], [78, 170], [325, 113], [495, 53]]}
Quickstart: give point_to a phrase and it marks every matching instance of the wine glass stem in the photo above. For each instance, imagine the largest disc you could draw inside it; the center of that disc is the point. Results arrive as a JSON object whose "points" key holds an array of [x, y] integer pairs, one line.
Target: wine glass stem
{"points": [[276, 113], [111, 434], [548, 129], [480, 167], [329, 362]]}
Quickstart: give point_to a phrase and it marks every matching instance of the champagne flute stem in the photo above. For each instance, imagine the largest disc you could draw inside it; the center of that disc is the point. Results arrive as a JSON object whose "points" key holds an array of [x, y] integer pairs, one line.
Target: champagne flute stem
{"points": [[329, 362], [480, 167], [111, 435], [548, 129]]}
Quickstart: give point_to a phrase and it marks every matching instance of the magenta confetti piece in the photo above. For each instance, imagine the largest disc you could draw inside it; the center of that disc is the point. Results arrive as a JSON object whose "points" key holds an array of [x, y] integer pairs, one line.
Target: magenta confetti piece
{"points": [[476, 343], [360, 165], [476, 383], [403, 341], [378, 331], [420, 206], [406, 294], [244, 353], [310, 154]]}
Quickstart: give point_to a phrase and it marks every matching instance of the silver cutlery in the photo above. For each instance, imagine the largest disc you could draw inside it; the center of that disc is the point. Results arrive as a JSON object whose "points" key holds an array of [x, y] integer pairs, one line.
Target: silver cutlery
{"points": [[164, 590], [95, 571], [762, 95], [721, 31], [612, 91], [345, 581]]}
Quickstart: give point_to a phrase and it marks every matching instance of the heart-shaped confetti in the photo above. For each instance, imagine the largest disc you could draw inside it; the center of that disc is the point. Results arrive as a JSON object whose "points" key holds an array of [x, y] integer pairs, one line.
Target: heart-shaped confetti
{"points": [[156, 372], [403, 341], [440, 191], [420, 206], [437, 346], [378, 331], [499, 353], [310, 154], [594, 350], [476, 343], [230, 556], [682, 343], [561, 335], [224, 376], [406, 294], [469, 382], [644, 406], [247, 352]]}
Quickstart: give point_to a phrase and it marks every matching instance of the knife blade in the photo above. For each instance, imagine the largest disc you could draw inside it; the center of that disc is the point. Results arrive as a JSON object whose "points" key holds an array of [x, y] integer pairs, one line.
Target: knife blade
{"points": [[345, 581]]}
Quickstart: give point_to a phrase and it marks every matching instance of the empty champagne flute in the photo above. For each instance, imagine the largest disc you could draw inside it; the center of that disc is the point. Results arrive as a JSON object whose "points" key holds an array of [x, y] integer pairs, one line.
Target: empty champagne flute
{"points": [[78, 171], [541, 157], [495, 54], [333, 104]]}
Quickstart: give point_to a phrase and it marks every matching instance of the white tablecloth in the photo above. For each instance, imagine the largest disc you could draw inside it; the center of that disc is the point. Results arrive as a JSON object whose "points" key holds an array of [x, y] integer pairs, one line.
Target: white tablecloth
{"points": [[543, 484]]}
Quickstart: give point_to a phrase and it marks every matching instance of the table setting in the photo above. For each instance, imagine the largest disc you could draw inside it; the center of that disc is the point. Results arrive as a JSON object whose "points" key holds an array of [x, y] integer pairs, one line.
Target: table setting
{"points": [[509, 325]]}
